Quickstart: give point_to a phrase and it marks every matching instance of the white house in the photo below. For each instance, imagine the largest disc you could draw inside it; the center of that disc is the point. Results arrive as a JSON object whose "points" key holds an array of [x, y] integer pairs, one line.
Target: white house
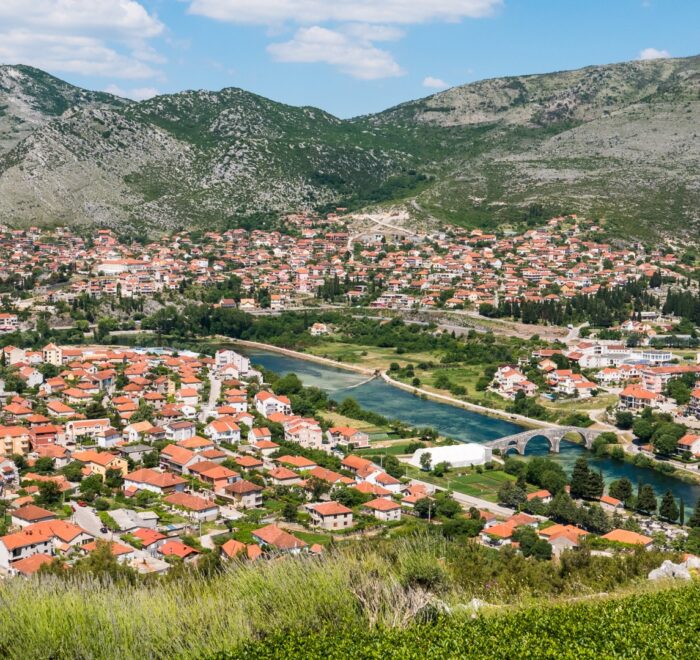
{"points": [[223, 429], [383, 509], [267, 403]]}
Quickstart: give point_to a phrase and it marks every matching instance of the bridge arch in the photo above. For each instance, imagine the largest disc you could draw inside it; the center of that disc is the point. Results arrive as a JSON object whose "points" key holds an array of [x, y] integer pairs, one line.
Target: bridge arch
{"points": [[554, 435]]}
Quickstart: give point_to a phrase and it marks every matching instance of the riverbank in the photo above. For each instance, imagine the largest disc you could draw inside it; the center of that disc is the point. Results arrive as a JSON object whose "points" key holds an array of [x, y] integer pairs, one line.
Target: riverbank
{"points": [[440, 398], [298, 354], [514, 418], [680, 472]]}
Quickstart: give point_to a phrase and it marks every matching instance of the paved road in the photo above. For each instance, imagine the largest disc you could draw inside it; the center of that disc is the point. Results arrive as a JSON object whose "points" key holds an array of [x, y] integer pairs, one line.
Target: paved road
{"points": [[86, 518], [574, 334], [214, 393]]}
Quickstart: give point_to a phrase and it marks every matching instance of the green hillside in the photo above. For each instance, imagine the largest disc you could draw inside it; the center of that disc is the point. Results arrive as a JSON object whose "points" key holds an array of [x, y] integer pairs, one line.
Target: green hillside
{"points": [[618, 142], [400, 597]]}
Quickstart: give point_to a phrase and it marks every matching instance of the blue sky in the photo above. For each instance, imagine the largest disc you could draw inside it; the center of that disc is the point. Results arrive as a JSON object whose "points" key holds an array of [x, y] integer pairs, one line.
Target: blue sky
{"points": [[347, 56]]}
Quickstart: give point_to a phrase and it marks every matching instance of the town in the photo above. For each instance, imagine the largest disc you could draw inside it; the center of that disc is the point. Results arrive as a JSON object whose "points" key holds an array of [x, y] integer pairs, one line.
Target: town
{"points": [[168, 456]]}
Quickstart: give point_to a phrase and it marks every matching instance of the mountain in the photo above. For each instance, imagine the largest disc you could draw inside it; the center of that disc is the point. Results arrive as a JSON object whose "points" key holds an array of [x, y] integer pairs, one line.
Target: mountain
{"points": [[616, 141], [30, 98]]}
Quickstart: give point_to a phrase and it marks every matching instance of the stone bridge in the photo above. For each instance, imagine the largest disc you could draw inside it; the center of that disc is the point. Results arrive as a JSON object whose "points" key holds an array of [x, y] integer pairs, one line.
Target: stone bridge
{"points": [[553, 434]]}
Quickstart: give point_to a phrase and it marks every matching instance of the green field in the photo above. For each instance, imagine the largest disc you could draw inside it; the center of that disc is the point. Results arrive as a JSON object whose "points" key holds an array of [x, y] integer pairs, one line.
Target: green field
{"points": [[484, 486], [372, 357], [397, 449]]}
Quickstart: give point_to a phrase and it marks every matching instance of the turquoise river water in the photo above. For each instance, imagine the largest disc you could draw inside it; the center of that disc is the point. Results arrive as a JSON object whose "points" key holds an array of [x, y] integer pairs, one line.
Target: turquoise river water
{"points": [[457, 423]]}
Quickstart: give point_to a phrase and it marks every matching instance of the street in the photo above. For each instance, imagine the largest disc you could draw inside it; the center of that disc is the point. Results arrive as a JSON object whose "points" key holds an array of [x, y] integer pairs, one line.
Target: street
{"points": [[86, 518]]}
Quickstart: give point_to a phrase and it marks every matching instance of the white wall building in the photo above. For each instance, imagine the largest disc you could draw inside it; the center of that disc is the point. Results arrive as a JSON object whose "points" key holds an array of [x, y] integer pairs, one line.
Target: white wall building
{"points": [[461, 455]]}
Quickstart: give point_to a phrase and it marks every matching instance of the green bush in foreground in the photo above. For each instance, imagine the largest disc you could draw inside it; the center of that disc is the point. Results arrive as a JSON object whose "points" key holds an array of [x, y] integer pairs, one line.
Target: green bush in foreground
{"points": [[663, 624]]}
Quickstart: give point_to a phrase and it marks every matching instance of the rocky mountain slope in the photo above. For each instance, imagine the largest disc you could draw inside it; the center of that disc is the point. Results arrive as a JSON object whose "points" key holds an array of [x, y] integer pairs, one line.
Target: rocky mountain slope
{"points": [[618, 141], [29, 98]]}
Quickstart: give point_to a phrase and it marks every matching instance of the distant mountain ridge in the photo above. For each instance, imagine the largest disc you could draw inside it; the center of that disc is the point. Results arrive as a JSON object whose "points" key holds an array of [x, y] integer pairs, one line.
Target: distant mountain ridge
{"points": [[618, 141]]}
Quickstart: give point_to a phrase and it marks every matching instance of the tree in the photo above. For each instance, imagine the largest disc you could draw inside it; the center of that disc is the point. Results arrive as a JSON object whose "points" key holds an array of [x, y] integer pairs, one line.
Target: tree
{"points": [[694, 520], [563, 509], [456, 527], [665, 444], [73, 471], [646, 500], [113, 478], [289, 511], [44, 465], [441, 469], [595, 486], [102, 564], [621, 489], [642, 429], [49, 493], [19, 461], [553, 480], [151, 459], [668, 508], [681, 516], [531, 545], [424, 507], [692, 543], [542, 550], [597, 520], [580, 477], [318, 488], [91, 486], [512, 495], [446, 505], [393, 466], [426, 460]]}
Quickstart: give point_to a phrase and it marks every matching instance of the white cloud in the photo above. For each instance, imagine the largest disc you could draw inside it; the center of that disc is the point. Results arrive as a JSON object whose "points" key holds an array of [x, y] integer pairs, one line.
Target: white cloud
{"points": [[435, 83], [87, 37], [69, 54], [269, 12], [127, 18], [653, 54], [356, 57], [355, 26], [137, 94]]}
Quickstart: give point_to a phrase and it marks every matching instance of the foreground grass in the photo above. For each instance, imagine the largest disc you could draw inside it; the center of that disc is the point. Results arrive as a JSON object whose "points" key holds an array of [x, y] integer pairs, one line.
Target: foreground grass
{"points": [[655, 625], [387, 587]]}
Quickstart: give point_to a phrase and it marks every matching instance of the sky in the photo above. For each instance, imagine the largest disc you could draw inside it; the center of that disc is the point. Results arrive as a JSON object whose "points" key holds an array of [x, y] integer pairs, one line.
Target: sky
{"points": [[349, 57]]}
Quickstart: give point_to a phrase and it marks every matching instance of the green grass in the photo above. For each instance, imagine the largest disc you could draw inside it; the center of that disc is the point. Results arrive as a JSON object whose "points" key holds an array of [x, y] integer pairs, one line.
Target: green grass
{"points": [[372, 357], [398, 449], [656, 625], [355, 587], [312, 537], [485, 485]]}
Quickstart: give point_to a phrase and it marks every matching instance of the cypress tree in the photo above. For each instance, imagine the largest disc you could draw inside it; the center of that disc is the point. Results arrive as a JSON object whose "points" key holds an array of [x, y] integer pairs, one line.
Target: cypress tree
{"points": [[668, 508], [580, 479], [646, 502], [694, 520]]}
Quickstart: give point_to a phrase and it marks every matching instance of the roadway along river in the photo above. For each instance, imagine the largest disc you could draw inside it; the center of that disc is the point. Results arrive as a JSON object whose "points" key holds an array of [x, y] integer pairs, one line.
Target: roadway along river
{"points": [[454, 422]]}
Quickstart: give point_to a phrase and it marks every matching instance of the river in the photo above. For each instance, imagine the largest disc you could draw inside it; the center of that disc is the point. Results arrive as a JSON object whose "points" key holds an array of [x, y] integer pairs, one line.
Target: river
{"points": [[454, 422]]}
